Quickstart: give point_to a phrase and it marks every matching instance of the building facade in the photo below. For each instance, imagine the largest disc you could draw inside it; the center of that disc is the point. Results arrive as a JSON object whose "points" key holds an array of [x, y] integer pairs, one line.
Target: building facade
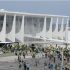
{"points": [[28, 27]]}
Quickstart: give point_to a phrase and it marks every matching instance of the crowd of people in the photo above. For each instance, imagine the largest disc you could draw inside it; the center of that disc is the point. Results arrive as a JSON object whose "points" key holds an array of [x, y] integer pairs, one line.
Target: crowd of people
{"points": [[52, 63], [52, 60]]}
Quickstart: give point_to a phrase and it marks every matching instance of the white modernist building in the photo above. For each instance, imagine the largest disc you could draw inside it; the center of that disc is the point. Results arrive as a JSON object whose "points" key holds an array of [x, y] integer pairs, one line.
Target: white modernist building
{"points": [[28, 27]]}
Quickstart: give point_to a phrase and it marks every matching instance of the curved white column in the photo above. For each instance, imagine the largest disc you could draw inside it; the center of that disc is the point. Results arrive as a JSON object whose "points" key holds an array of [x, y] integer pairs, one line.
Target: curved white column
{"points": [[42, 34], [61, 33], [66, 32], [3, 32], [49, 32], [11, 35], [20, 34], [55, 32]]}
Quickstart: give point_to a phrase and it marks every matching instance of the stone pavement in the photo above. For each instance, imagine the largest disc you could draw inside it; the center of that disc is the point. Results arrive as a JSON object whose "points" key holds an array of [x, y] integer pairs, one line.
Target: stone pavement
{"points": [[11, 63]]}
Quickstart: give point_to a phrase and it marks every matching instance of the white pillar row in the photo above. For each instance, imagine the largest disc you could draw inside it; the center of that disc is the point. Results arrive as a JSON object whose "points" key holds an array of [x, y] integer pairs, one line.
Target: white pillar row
{"points": [[20, 34], [11, 35], [3, 32]]}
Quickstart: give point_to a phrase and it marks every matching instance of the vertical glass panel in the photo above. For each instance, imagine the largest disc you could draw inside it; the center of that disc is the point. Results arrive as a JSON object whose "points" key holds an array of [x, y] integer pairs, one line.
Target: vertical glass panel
{"points": [[69, 25], [48, 20], [27, 25], [41, 21], [64, 24], [18, 23], [1, 21], [9, 22], [35, 22], [33, 25], [59, 24], [54, 23], [37, 25]]}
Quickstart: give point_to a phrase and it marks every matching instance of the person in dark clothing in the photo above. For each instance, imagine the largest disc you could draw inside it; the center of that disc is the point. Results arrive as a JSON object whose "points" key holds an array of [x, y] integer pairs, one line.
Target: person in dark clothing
{"points": [[54, 59], [19, 65], [24, 54], [25, 66], [19, 58], [45, 55], [49, 65]]}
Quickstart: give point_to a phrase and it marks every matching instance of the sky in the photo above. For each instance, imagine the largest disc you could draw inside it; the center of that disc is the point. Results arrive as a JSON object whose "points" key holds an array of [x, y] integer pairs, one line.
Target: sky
{"points": [[56, 7]]}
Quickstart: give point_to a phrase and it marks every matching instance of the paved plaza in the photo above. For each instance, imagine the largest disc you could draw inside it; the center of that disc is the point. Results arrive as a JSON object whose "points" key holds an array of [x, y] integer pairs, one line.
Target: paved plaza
{"points": [[39, 63]]}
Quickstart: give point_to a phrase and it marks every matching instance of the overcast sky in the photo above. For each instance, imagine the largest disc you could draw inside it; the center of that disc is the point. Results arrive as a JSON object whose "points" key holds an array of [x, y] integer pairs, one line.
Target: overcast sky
{"points": [[38, 6]]}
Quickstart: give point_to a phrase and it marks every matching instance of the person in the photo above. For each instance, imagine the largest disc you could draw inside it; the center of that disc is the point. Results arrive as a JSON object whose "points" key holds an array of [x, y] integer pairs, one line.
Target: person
{"points": [[25, 66], [53, 66], [24, 54], [54, 59], [45, 55], [19, 58], [49, 65], [45, 63], [68, 59], [36, 63], [56, 67], [19, 65]]}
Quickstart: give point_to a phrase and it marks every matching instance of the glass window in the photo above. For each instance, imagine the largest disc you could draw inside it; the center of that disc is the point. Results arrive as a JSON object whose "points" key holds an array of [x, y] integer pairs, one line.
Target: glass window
{"points": [[1, 17], [27, 25], [9, 22], [48, 20], [59, 24], [64, 24], [54, 23], [69, 23], [1, 21], [69, 26], [18, 23], [33, 25]]}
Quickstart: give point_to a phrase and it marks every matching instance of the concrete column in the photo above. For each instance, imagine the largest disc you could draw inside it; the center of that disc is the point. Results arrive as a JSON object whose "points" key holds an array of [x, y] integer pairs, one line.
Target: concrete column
{"points": [[44, 31], [62, 24], [3, 32], [20, 34], [13, 28], [11, 35], [44, 28], [51, 27], [66, 32], [57, 25], [22, 30]]}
